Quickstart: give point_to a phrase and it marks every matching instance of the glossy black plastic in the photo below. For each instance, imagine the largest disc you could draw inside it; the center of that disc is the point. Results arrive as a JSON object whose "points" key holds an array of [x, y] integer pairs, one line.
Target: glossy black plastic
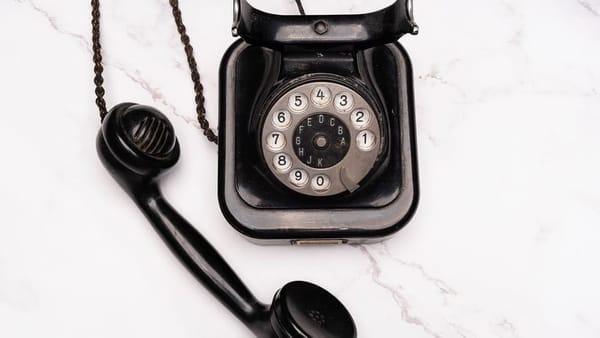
{"points": [[268, 213], [360, 30], [137, 144]]}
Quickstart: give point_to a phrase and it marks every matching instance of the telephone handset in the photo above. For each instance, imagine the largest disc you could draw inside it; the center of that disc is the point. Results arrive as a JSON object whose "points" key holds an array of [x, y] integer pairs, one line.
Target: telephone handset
{"points": [[317, 126]]}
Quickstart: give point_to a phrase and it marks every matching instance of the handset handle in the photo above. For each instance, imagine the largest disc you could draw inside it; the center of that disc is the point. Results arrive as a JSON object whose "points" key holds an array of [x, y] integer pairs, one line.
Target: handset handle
{"points": [[201, 258], [364, 30]]}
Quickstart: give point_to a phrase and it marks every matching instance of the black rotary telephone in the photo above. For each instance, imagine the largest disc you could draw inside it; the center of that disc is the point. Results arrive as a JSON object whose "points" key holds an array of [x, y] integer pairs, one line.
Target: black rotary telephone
{"points": [[316, 145], [317, 126]]}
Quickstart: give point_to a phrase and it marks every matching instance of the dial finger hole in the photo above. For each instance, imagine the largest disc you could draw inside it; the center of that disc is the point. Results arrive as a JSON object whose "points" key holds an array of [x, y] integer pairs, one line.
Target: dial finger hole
{"points": [[320, 183], [282, 119], [298, 177], [343, 101], [366, 140], [298, 102], [282, 162], [360, 118], [321, 96], [276, 141]]}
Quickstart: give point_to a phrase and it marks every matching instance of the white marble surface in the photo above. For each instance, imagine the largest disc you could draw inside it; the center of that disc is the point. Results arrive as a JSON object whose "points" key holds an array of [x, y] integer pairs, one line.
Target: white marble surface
{"points": [[505, 243]]}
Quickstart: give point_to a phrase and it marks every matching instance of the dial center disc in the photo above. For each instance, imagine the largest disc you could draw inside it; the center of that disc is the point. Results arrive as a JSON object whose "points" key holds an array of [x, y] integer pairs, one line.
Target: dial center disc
{"points": [[321, 140]]}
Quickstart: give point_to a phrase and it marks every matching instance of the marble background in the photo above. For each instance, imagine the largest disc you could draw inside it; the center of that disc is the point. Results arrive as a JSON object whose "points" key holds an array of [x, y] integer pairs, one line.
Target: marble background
{"points": [[505, 243]]}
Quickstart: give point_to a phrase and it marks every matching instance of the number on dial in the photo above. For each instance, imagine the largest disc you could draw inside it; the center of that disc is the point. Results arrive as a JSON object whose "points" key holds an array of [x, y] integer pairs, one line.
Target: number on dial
{"points": [[365, 140], [282, 162], [320, 183], [276, 141], [298, 177], [298, 102], [343, 101], [321, 96], [282, 120], [360, 118]]}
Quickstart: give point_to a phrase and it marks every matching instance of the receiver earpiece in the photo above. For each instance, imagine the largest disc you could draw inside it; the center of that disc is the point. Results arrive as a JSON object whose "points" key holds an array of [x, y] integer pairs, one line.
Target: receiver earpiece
{"points": [[140, 138], [137, 144]]}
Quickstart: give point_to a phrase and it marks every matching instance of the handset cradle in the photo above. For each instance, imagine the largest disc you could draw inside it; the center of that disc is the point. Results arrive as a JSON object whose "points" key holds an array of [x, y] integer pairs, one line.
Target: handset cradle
{"points": [[359, 30]]}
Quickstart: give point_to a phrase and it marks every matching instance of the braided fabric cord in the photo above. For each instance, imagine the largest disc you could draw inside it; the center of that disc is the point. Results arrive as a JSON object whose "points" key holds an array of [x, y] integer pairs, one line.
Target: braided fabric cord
{"points": [[198, 88], [97, 51], [189, 52]]}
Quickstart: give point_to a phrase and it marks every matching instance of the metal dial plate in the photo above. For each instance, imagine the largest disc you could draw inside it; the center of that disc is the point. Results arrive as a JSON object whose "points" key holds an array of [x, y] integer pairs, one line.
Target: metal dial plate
{"points": [[321, 139]]}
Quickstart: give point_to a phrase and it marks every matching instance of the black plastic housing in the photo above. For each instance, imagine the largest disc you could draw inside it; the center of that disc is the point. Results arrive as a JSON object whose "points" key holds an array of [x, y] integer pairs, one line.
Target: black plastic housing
{"points": [[252, 73]]}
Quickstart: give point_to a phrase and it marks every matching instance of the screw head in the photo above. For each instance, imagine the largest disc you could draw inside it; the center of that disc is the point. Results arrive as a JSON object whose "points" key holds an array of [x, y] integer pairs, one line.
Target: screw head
{"points": [[321, 27]]}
